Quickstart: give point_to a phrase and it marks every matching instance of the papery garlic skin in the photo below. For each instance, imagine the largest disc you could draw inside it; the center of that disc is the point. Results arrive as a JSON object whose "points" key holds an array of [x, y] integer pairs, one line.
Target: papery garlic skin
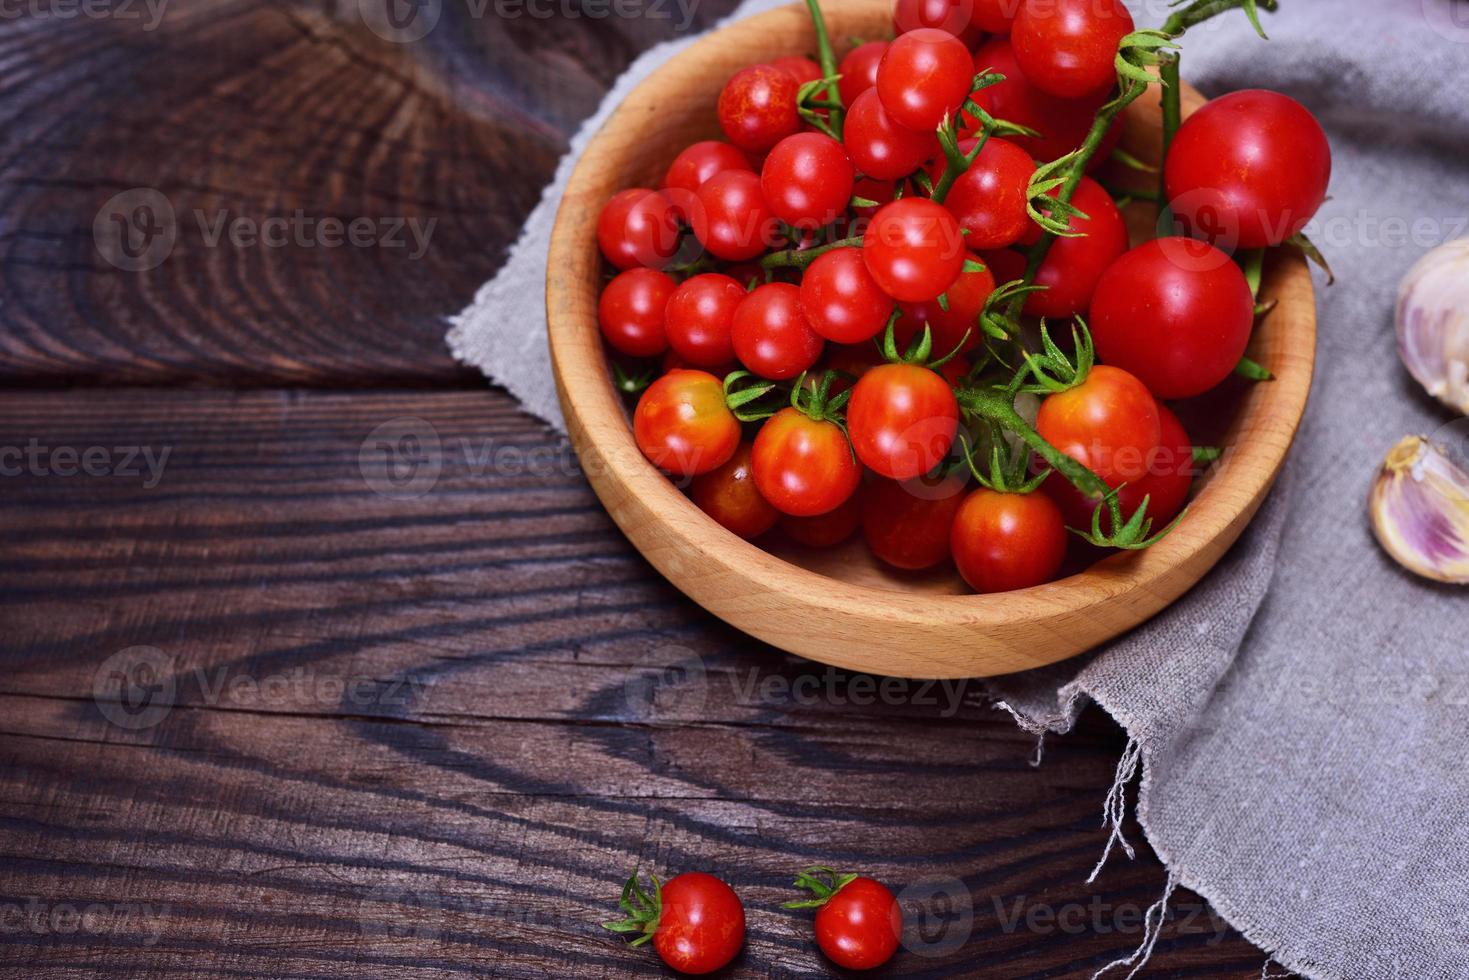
{"points": [[1433, 323], [1420, 511]]}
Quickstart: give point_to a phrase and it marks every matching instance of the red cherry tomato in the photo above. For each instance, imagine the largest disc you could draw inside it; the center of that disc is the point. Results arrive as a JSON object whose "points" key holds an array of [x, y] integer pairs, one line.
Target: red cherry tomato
{"points": [[859, 70], [702, 923], [1109, 423], [1174, 312], [698, 318], [804, 466], [638, 227], [1248, 170], [683, 425], [924, 77], [729, 495], [989, 198], [807, 180], [914, 249], [1062, 123], [906, 523], [1166, 482], [757, 108], [995, 16], [770, 334], [947, 328], [879, 146], [859, 927], [803, 70], [631, 312], [841, 300], [902, 419], [731, 218], [825, 530], [950, 16], [700, 161], [1069, 47], [1006, 541]]}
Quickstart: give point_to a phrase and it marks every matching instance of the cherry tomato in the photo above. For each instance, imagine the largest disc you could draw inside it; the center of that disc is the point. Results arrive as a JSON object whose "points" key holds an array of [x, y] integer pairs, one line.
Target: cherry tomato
{"points": [[906, 523], [1174, 312], [1248, 170], [683, 425], [700, 161], [804, 466], [902, 419], [1006, 541], [632, 309], [1109, 423], [914, 249], [770, 334], [859, 927], [638, 227], [1062, 123], [803, 70], [879, 146], [698, 318], [947, 328], [924, 77], [1069, 47], [1166, 481], [702, 923], [1073, 266], [950, 16], [989, 198], [995, 16], [807, 180], [841, 300], [825, 530], [729, 495], [859, 70], [731, 219], [757, 108]]}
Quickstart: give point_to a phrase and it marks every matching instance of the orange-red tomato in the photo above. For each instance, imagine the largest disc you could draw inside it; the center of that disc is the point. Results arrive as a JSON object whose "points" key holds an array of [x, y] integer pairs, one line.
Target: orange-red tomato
{"points": [[729, 495], [907, 523], [804, 466], [683, 425]]}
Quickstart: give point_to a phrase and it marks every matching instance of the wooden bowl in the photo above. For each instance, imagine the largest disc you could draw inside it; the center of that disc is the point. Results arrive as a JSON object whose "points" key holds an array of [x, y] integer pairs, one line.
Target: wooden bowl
{"points": [[842, 607]]}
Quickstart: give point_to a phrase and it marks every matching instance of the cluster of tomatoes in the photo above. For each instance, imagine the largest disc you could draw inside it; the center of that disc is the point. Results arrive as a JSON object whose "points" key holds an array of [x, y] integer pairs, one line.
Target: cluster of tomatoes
{"points": [[830, 297], [697, 922]]}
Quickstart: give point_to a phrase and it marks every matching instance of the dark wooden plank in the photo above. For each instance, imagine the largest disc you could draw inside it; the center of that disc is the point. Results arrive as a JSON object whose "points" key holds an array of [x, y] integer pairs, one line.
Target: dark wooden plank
{"points": [[222, 116], [427, 736]]}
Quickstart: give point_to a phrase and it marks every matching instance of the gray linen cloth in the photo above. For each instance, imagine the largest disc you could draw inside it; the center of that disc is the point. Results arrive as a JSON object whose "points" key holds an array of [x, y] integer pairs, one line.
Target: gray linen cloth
{"points": [[1301, 718]]}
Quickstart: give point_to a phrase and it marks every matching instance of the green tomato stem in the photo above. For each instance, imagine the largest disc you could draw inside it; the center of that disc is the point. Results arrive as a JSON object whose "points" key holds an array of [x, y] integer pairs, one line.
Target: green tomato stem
{"points": [[828, 60], [795, 258], [1172, 119]]}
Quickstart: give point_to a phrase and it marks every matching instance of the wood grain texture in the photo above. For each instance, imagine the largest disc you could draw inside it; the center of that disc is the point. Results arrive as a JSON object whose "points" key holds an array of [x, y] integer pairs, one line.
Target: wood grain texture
{"points": [[846, 610], [426, 737]]}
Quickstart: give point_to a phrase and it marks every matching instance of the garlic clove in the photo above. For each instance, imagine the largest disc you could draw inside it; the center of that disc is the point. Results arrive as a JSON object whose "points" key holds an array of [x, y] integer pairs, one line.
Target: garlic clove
{"points": [[1433, 323], [1420, 511]]}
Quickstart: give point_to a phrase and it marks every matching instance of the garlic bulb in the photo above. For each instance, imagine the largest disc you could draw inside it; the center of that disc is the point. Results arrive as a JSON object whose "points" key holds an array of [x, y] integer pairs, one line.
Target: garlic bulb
{"points": [[1433, 323], [1420, 511]]}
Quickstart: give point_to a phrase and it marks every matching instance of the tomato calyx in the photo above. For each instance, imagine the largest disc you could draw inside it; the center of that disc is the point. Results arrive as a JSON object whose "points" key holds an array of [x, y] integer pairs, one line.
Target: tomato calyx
{"points": [[920, 350], [1008, 466], [743, 399], [643, 911], [956, 161], [1053, 370], [822, 882]]}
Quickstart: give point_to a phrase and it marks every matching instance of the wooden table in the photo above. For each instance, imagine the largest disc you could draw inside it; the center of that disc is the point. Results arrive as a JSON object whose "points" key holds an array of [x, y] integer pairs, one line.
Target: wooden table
{"points": [[264, 715]]}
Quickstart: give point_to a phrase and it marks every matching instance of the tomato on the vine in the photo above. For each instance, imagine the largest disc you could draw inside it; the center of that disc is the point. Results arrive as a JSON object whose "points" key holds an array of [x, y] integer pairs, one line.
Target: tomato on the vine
{"points": [[825, 530], [906, 523], [1109, 423], [914, 249], [1068, 48], [731, 218], [807, 180], [902, 419], [770, 333], [1062, 123], [1174, 312], [879, 145], [924, 76], [802, 69], [859, 70], [638, 227], [1248, 170], [1007, 541], [698, 317], [1167, 477], [697, 922], [954, 17], [683, 425], [803, 465], [989, 199], [632, 310], [965, 298], [841, 300], [729, 495], [697, 162], [757, 108]]}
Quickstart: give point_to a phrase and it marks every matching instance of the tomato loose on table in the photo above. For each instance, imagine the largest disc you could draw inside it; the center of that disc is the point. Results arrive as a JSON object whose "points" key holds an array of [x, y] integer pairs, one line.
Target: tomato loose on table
{"points": [[906, 523], [914, 249], [1248, 170], [804, 466], [729, 495], [1007, 541], [631, 312], [924, 76], [699, 317], [859, 927], [638, 227], [989, 199], [1174, 312], [807, 180], [701, 926], [1168, 476], [859, 70], [757, 107], [770, 333], [1109, 423], [841, 300], [731, 218], [1068, 48], [902, 419], [682, 424]]}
